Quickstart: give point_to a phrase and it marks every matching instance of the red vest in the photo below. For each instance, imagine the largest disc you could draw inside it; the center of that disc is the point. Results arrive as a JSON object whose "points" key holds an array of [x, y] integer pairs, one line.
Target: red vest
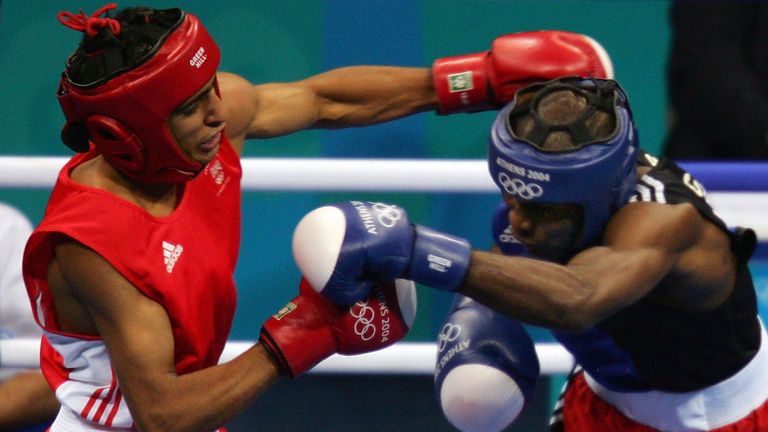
{"points": [[184, 261]]}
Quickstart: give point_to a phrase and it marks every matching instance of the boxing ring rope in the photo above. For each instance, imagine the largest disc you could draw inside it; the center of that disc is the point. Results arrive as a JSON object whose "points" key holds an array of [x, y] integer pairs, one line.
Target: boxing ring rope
{"points": [[737, 191]]}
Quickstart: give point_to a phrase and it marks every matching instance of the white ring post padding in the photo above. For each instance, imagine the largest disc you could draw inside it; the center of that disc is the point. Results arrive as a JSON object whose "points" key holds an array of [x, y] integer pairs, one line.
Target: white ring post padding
{"points": [[403, 358], [735, 197]]}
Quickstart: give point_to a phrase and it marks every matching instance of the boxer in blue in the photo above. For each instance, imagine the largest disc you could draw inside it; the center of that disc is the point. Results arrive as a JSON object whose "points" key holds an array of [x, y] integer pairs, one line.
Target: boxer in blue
{"points": [[615, 250]]}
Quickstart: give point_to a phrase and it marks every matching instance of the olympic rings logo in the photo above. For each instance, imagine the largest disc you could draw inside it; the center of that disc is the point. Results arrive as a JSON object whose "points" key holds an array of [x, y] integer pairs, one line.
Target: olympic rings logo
{"points": [[507, 236], [387, 214], [515, 186], [448, 333], [364, 316]]}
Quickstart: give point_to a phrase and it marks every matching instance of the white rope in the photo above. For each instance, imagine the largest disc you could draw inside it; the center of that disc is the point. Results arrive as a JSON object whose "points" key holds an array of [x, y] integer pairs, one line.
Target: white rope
{"points": [[405, 358], [383, 175], [411, 358], [301, 174], [29, 172], [19, 353]]}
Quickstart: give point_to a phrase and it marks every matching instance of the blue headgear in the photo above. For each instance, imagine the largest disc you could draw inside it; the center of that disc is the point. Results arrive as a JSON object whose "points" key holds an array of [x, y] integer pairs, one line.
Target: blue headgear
{"points": [[598, 174]]}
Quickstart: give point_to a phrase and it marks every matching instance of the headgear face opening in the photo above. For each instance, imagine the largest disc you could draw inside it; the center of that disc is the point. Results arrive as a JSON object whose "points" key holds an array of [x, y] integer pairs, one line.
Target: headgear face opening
{"points": [[598, 173], [126, 116]]}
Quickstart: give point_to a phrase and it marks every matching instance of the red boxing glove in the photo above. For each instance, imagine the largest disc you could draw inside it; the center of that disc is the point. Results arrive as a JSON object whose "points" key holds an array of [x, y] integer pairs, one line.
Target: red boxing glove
{"points": [[311, 328], [487, 80]]}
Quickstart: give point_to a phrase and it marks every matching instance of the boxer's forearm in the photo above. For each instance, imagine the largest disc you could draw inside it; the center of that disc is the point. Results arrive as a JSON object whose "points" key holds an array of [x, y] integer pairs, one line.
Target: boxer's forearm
{"points": [[363, 95], [26, 399]]}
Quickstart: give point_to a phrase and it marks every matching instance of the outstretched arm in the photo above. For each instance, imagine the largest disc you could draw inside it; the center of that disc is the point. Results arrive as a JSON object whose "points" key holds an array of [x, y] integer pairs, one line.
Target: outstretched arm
{"points": [[339, 247], [363, 95], [644, 244], [351, 96]]}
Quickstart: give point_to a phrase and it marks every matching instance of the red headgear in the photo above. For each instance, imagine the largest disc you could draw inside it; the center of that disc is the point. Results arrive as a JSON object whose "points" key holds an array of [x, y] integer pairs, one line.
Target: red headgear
{"points": [[126, 114]]}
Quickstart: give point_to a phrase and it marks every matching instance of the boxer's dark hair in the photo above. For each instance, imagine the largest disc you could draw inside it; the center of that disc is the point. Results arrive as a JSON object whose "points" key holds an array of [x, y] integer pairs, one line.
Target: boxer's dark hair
{"points": [[563, 107], [105, 55]]}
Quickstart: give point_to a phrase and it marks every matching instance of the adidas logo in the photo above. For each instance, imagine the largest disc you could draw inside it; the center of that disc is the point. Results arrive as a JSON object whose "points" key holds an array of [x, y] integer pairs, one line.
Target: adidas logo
{"points": [[171, 254], [216, 171]]}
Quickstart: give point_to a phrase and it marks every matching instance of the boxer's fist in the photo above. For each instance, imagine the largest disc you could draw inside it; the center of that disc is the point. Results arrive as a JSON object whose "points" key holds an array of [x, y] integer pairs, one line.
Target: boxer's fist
{"points": [[486, 367], [481, 81], [310, 328], [341, 248]]}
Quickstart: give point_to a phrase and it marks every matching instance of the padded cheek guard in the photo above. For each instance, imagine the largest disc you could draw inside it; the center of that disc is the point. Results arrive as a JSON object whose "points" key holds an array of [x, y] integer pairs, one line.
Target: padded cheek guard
{"points": [[599, 175], [126, 115]]}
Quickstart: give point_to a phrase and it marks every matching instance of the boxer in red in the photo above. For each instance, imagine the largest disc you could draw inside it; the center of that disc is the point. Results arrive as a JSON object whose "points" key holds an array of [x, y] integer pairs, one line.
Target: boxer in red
{"points": [[130, 273]]}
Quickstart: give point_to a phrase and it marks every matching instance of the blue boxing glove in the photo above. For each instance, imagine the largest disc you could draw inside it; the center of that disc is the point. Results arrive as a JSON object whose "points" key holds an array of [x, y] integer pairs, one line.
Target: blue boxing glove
{"points": [[486, 367], [342, 248]]}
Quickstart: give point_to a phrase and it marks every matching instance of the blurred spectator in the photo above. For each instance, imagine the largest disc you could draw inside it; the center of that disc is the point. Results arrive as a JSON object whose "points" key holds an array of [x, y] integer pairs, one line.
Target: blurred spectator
{"points": [[26, 401], [718, 81]]}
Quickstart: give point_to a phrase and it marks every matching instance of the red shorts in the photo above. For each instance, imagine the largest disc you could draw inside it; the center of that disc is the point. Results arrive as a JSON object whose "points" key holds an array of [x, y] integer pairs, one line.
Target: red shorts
{"points": [[584, 411]]}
